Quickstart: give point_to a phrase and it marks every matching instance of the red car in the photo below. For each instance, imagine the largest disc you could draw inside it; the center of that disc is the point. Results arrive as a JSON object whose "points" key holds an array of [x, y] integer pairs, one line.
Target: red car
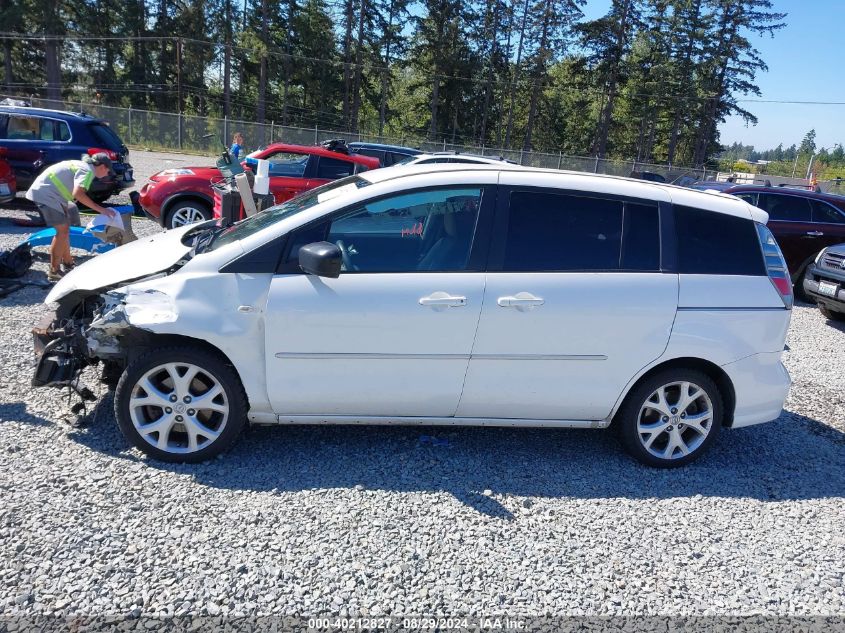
{"points": [[8, 185], [183, 195], [803, 222]]}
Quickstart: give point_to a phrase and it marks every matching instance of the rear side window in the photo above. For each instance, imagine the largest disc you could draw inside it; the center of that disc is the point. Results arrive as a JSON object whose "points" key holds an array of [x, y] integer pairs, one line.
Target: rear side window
{"points": [[557, 232], [334, 168], [823, 212], [711, 243], [785, 208]]}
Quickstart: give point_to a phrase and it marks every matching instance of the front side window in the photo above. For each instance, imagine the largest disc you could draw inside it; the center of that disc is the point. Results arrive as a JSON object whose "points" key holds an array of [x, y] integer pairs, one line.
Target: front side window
{"points": [[275, 214], [25, 128], [430, 230], [283, 164], [551, 232], [785, 208], [750, 198]]}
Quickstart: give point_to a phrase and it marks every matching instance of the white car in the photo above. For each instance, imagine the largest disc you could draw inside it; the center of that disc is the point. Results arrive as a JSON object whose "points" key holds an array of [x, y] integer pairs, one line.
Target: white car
{"points": [[473, 295], [452, 158]]}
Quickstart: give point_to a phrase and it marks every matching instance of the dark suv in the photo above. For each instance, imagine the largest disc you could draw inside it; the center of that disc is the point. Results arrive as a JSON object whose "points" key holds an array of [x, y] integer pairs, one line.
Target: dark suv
{"points": [[803, 222], [388, 155], [824, 282], [36, 138]]}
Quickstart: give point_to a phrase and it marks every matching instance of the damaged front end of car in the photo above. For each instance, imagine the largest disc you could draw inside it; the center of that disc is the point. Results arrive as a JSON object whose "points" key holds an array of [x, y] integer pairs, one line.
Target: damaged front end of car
{"points": [[90, 325], [96, 330]]}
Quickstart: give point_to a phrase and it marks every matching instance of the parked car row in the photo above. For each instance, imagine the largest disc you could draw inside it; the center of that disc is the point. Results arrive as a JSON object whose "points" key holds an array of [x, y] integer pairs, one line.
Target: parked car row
{"points": [[175, 197]]}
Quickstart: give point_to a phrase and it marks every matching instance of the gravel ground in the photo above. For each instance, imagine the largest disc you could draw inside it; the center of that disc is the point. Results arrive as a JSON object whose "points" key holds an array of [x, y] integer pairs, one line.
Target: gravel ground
{"points": [[346, 521]]}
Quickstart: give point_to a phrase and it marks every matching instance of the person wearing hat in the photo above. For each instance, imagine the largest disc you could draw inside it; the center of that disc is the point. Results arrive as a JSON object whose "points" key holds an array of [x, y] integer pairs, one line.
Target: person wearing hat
{"points": [[55, 192]]}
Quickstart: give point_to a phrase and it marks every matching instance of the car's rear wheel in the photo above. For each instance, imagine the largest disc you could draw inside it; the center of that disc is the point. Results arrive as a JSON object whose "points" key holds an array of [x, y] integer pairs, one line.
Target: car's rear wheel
{"points": [[833, 315], [187, 212], [671, 418], [180, 404]]}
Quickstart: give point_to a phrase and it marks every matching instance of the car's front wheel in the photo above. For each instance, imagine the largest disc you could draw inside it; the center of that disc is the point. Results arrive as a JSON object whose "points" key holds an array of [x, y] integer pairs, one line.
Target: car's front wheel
{"points": [[180, 404], [187, 212], [671, 418]]}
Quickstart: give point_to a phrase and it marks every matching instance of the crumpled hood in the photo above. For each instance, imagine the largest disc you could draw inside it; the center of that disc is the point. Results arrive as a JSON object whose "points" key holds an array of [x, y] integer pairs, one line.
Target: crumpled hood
{"points": [[146, 256]]}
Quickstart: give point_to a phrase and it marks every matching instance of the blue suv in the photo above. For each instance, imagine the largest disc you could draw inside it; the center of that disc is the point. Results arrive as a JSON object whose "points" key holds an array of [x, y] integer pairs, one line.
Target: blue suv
{"points": [[36, 138]]}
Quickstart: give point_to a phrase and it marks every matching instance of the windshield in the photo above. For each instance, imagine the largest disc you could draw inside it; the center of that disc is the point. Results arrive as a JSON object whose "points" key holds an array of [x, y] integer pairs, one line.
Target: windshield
{"points": [[275, 214]]}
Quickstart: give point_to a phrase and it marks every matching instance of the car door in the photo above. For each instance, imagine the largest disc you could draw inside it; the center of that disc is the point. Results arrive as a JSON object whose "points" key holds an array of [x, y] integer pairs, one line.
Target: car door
{"points": [[392, 335], [575, 304], [829, 221], [791, 223]]}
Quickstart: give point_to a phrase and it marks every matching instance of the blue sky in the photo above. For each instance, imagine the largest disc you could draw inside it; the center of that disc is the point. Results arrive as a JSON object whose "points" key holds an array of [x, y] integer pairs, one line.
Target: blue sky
{"points": [[806, 63]]}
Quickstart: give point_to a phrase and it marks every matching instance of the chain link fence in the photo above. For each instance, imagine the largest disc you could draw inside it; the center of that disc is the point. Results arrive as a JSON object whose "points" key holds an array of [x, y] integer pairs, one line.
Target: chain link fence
{"points": [[167, 131]]}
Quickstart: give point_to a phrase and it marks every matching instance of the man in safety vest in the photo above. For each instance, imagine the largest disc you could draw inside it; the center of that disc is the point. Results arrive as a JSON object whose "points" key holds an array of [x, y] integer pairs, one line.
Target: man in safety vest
{"points": [[54, 192]]}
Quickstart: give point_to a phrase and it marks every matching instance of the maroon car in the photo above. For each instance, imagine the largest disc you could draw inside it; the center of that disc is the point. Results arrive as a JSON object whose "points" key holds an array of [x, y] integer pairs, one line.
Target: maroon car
{"points": [[803, 222]]}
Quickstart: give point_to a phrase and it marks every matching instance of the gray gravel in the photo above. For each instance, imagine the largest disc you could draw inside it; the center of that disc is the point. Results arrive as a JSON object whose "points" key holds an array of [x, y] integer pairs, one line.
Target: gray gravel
{"points": [[345, 521]]}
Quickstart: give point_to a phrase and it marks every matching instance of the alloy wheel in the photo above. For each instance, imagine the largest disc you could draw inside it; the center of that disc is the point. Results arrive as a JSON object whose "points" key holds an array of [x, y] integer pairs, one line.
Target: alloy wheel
{"points": [[186, 215], [675, 420], [178, 407]]}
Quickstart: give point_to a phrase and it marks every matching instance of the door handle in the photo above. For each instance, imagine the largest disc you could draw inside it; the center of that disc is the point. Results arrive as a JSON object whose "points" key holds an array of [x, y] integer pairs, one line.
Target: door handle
{"points": [[521, 301], [441, 299], [814, 233]]}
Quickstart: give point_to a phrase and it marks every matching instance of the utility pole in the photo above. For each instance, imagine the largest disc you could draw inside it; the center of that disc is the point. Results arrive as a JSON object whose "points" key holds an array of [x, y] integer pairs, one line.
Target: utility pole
{"points": [[179, 104]]}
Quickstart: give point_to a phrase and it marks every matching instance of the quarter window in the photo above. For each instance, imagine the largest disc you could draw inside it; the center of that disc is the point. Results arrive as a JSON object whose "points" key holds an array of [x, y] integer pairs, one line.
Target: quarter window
{"points": [[559, 232], [430, 230], [711, 243], [785, 208]]}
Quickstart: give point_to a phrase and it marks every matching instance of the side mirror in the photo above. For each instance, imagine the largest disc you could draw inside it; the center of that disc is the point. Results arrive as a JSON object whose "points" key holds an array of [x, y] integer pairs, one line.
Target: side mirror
{"points": [[321, 258]]}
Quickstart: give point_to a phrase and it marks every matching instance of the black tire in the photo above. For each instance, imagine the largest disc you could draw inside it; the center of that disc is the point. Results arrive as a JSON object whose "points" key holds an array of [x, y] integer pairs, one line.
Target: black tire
{"points": [[627, 419], [798, 287], [179, 209], [211, 367], [833, 315]]}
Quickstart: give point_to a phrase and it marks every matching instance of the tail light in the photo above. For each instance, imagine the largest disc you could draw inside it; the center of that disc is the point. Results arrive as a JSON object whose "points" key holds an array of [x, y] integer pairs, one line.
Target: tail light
{"points": [[775, 265], [99, 150]]}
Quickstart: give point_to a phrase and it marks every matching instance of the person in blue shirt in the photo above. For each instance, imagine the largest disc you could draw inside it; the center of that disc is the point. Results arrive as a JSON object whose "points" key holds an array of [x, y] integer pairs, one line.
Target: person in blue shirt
{"points": [[237, 142]]}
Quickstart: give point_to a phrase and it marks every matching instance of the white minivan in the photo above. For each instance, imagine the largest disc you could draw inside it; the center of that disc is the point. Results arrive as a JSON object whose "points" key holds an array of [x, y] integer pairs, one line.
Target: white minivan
{"points": [[449, 294]]}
